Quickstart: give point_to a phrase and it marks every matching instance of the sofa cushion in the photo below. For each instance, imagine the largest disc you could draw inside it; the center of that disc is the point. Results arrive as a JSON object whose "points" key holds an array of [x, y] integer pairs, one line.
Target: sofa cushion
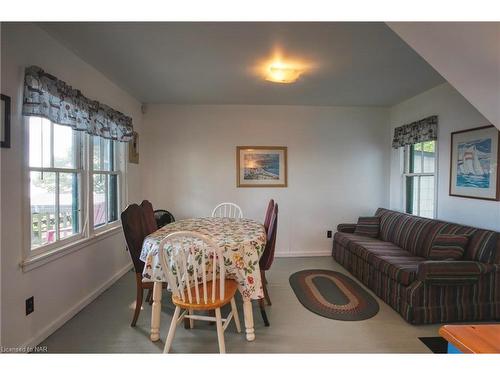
{"points": [[448, 247], [368, 226], [412, 233], [483, 244], [359, 244], [386, 257], [401, 268]]}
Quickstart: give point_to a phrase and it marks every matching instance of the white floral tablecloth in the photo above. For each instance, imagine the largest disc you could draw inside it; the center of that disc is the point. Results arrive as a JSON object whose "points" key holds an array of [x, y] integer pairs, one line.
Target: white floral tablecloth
{"points": [[242, 241]]}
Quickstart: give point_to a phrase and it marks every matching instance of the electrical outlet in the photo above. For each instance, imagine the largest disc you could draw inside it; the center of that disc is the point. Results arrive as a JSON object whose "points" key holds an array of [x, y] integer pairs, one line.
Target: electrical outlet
{"points": [[30, 305], [329, 234]]}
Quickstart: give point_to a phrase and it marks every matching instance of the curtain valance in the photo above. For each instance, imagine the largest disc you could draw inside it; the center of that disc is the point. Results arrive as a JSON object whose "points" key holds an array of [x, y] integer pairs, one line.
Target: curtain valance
{"points": [[46, 96], [416, 132]]}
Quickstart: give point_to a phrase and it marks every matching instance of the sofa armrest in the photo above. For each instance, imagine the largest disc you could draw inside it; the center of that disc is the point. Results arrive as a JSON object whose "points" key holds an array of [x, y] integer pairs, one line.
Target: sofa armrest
{"points": [[452, 272], [346, 228]]}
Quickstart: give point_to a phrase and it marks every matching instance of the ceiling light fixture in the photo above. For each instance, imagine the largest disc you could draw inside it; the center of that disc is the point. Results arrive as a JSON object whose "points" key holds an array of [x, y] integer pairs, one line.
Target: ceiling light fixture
{"points": [[281, 72], [280, 69]]}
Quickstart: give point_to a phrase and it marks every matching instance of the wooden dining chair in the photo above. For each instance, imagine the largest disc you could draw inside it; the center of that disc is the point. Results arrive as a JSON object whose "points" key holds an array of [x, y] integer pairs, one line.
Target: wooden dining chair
{"points": [[135, 230], [163, 217], [269, 213], [195, 271], [149, 216], [266, 260], [228, 209]]}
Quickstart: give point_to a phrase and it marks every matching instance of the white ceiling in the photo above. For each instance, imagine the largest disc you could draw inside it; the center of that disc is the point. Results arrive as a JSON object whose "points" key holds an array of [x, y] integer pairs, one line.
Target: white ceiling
{"points": [[358, 64]]}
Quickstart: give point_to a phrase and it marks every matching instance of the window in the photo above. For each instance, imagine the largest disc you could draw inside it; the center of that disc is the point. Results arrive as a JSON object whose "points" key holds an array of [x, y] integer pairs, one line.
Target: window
{"points": [[105, 176], [419, 179], [64, 164], [55, 167]]}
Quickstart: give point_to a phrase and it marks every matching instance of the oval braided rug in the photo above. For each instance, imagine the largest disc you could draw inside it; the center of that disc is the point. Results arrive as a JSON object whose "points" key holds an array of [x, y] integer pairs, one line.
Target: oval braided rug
{"points": [[333, 295]]}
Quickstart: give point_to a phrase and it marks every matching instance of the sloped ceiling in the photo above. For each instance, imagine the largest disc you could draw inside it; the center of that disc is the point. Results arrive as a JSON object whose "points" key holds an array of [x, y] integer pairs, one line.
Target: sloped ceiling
{"points": [[466, 54]]}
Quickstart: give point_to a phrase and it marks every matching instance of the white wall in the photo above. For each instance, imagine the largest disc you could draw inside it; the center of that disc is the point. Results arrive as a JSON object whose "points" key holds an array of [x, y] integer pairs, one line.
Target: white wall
{"points": [[1, 86], [455, 113], [466, 54], [337, 165], [62, 286]]}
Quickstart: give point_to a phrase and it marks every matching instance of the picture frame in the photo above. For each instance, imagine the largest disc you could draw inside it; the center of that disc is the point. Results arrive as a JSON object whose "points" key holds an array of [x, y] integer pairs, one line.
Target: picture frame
{"points": [[4, 121], [261, 166], [474, 163], [133, 149]]}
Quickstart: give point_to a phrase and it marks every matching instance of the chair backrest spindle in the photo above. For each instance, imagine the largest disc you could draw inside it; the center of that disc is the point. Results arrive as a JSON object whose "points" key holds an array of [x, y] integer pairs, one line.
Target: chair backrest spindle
{"points": [[186, 276], [204, 275], [195, 280], [222, 275], [214, 274]]}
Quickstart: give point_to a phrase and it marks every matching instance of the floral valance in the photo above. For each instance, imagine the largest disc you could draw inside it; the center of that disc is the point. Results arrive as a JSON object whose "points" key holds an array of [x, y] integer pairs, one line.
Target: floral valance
{"points": [[46, 96], [416, 132]]}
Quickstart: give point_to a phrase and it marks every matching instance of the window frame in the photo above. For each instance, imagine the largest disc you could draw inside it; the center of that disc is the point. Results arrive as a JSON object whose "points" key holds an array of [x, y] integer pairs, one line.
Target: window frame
{"points": [[405, 174], [79, 170], [32, 258], [117, 170]]}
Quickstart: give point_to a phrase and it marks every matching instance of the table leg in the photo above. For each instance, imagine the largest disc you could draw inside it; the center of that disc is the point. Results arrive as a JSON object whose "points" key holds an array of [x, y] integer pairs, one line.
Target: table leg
{"points": [[156, 311], [248, 313]]}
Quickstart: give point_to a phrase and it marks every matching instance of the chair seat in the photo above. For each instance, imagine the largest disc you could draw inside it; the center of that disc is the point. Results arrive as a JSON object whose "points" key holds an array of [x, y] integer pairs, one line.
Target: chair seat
{"points": [[230, 288]]}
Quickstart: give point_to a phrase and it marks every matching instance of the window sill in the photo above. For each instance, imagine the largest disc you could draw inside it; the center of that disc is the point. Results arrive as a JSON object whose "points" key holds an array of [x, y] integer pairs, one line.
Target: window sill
{"points": [[36, 261]]}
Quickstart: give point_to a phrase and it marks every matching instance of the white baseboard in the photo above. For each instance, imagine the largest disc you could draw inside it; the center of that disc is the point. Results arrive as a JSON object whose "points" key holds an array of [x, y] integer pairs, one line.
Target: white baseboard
{"points": [[298, 254], [56, 324]]}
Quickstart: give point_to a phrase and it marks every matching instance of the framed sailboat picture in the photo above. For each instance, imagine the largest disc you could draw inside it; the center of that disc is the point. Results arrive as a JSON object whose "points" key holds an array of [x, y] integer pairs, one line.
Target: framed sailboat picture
{"points": [[474, 169]]}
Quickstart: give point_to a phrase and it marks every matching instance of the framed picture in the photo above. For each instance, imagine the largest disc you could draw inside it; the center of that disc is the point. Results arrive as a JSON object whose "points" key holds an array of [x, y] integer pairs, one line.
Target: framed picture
{"points": [[261, 166], [5, 121], [474, 169], [133, 149]]}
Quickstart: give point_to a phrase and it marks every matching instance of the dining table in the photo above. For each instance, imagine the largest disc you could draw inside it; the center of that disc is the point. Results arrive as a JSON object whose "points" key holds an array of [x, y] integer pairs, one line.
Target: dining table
{"points": [[242, 242]]}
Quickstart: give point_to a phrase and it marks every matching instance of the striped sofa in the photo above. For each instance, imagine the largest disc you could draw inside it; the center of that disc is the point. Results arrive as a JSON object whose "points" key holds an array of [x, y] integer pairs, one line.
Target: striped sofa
{"points": [[395, 266]]}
